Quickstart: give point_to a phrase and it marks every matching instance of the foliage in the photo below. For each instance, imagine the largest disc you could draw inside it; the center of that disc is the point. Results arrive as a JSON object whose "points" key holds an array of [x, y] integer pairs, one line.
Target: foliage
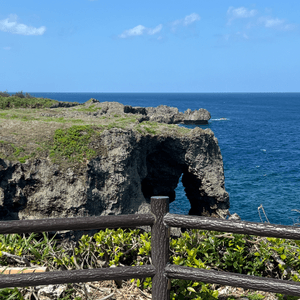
{"points": [[24, 102], [10, 294], [18, 153], [148, 127], [72, 143], [4, 94], [194, 248], [21, 95], [91, 108]]}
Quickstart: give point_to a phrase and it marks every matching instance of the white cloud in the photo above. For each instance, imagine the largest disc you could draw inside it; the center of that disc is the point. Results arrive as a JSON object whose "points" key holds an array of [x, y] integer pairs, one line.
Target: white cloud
{"points": [[191, 19], [140, 30], [155, 30], [240, 13], [12, 26], [275, 23], [187, 20], [7, 48], [253, 19]]}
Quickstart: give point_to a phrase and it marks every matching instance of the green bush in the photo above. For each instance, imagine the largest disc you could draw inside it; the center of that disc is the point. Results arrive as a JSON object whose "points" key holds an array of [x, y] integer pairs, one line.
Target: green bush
{"points": [[195, 248], [23, 102], [4, 94], [72, 143]]}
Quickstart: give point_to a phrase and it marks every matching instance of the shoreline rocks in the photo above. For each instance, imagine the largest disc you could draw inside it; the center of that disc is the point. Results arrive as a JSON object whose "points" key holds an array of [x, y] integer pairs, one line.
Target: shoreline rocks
{"points": [[160, 114]]}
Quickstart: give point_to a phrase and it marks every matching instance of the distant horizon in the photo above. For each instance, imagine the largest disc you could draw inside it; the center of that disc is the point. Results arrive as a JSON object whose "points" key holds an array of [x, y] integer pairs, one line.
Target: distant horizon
{"points": [[161, 92]]}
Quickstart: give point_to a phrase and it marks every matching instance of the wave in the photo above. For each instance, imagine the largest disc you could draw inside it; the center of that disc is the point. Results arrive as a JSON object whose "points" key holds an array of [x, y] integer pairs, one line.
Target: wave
{"points": [[220, 119]]}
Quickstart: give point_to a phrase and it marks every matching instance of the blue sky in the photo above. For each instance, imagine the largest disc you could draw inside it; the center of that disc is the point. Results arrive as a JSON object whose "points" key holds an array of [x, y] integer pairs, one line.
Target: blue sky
{"points": [[149, 46]]}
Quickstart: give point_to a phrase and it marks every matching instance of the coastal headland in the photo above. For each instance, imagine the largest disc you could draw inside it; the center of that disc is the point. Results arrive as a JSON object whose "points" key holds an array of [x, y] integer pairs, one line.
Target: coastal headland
{"points": [[67, 160]]}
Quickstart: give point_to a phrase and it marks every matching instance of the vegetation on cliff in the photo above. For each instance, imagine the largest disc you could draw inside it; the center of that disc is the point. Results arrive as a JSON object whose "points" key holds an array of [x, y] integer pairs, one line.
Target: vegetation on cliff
{"points": [[37, 127], [20, 100], [251, 255]]}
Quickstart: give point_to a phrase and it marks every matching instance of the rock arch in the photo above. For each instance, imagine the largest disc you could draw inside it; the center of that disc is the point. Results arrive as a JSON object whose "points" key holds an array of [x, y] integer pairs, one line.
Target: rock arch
{"points": [[121, 181]]}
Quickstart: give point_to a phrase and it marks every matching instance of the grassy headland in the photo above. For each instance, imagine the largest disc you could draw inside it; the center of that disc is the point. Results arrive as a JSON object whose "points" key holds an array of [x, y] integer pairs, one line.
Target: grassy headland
{"points": [[37, 127]]}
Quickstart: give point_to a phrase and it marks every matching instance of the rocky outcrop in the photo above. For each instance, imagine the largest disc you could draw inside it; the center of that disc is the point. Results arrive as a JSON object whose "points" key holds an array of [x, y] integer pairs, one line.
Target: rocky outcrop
{"points": [[200, 116], [132, 168], [171, 115], [164, 114], [58, 104], [160, 114]]}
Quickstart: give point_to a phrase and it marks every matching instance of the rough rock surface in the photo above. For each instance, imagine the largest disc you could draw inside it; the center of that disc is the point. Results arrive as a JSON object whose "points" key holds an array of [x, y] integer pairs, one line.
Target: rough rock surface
{"points": [[161, 114], [164, 114], [133, 168], [200, 116]]}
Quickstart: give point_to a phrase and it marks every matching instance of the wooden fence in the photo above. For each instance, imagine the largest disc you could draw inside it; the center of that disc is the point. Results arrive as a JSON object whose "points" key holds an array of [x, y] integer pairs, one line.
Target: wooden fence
{"points": [[161, 271]]}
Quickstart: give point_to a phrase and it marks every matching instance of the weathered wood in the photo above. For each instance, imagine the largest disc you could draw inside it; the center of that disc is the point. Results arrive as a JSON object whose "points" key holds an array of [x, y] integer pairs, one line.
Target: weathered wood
{"points": [[232, 279], [22, 280], [243, 227], [161, 271], [19, 270], [81, 223], [160, 248]]}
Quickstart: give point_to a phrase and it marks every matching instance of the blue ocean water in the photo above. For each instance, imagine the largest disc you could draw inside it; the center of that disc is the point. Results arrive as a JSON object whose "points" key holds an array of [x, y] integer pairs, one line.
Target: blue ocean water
{"points": [[259, 142]]}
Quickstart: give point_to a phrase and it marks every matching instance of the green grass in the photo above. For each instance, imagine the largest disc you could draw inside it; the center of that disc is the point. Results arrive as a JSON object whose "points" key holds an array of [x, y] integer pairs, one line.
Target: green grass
{"points": [[72, 143], [91, 108], [19, 115], [148, 127]]}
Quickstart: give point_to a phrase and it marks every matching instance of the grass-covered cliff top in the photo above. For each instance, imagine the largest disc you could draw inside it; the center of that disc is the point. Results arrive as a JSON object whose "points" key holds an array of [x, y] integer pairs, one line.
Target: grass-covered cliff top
{"points": [[37, 127], [21, 100]]}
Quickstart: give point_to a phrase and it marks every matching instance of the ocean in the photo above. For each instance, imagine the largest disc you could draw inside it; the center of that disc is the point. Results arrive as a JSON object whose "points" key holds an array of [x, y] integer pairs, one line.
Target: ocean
{"points": [[259, 141]]}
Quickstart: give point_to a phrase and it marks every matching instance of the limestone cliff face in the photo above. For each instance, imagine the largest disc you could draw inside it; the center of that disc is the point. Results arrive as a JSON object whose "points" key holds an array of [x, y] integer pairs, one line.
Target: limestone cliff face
{"points": [[133, 168]]}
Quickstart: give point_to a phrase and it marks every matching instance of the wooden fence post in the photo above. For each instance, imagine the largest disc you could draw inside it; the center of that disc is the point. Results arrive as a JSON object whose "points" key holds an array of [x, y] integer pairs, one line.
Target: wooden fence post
{"points": [[160, 248]]}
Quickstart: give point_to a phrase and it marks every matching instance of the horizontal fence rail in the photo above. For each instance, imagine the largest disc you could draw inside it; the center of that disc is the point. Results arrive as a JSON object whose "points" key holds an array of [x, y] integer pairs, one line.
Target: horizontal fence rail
{"points": [[160, 220], [75, 276], [81, 223], [233, 279], [243, 227]]}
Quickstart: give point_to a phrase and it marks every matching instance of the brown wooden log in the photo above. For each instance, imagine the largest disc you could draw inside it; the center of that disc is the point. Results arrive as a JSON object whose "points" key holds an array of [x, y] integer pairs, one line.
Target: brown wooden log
{"points": [[232, 279], [19, 270], [75, 276], [242, 227], [160, 248], [81, 223]]}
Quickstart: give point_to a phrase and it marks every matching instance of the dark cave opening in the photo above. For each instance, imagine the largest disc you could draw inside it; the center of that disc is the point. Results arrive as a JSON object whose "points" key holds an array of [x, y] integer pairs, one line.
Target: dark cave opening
{"points": [[166, 177]]}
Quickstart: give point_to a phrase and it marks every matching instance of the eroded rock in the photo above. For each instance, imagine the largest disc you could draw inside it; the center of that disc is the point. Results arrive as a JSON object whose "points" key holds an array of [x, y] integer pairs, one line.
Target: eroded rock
{"points": [[160, 114], [133, 168], [200, 116]]}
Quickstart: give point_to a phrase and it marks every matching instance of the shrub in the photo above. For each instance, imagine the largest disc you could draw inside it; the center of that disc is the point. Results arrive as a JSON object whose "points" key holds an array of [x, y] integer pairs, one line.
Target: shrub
{"points": [[20, 94], [4, 94], [72, 143]]}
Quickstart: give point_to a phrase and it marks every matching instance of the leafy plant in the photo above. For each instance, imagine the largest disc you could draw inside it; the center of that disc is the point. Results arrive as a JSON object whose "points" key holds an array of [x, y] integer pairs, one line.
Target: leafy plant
{"points": [[72, 143], [194, 248], [10, 294]]}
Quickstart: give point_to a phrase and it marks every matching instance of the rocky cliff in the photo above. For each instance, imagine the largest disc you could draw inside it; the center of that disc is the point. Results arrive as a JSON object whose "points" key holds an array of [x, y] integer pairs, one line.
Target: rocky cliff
{"points": [[160, 114], [67, 170]]}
